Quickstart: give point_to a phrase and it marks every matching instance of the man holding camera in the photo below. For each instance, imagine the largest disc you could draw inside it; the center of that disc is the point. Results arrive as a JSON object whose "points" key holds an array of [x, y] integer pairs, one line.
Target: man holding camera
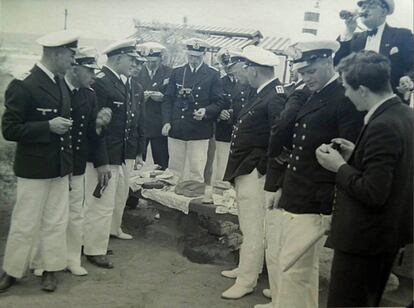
{"points": [[191, 104], [37, 117], [373, 209], [397, 44]]}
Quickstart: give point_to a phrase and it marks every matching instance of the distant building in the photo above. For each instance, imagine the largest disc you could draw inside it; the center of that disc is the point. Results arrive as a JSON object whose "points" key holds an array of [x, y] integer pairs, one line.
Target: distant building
{"points": [[311, 20]]}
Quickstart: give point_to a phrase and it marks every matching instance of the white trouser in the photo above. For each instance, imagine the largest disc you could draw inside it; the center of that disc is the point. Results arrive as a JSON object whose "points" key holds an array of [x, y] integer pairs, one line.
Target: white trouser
{"points": [[39, 221], [74, 235], [121, 195], [192, 152], [221, 157], [98, 211], [286, 236], [251, 212]]}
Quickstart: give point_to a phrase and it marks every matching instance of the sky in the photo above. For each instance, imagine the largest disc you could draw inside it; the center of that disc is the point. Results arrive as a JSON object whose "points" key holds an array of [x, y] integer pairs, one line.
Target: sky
{"points": [[112, 19]]}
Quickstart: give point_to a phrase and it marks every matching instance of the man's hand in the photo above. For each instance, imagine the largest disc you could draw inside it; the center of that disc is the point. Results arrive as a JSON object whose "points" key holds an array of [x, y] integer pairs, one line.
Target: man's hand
{"points": [[329, 158], [104, 174], [157, 96], [199, 114], [59, 125], [406, 85], [139, 162], [103, 118], [225, 115], [272, 198], [166, 129], [147, 95], [346, 147]]}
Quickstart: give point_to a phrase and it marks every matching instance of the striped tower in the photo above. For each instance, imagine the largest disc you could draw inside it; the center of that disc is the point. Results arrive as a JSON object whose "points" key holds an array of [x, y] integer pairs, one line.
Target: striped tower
{"points": [[311, 20]]}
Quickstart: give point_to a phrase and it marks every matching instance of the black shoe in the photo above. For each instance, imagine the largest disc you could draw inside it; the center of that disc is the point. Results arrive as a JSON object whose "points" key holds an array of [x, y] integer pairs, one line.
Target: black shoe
{"points": [[101, 261], [6, 281], [49, 282]]}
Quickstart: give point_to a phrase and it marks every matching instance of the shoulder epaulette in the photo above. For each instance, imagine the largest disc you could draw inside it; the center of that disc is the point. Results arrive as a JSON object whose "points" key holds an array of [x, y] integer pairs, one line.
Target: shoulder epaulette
{"points": [[301, 86], [280, 89], [21, 76], [90, 89], [212, 67]]}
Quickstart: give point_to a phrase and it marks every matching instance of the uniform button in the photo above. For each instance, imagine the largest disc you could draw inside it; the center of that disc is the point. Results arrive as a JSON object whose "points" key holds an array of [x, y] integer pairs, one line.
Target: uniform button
{"points": [[62, 148], [199, 88], [240, 121], [242, 106], [196, 95], [80, 133], [70, 146], [71, 109], [235, 136], [303, 137], [304, 125], [70, 136], [297, 157], [182, 117], [183, 109], [196, 103], [288, 166], [242, 92], [293, 146], [61, 138], [133, 114], [55, 110], [81, 125], [294, 168], [294, 135], [82, 116], [300, 148], [296, 124], [77, 148], [229, 95], [242, 99], [79, 140], [291, 155]]}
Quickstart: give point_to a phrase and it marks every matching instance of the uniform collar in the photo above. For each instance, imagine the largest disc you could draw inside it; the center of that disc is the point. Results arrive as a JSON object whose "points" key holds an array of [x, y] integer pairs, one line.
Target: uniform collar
{"points": [[375, 107], [333, 78], [259, 89], [70, 86], [46, 71], [115, 73], [197, 68]]}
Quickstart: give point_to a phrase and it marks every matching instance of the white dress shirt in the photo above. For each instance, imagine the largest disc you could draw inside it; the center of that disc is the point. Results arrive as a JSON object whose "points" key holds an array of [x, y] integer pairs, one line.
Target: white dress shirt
{"points": [[373, 42]]}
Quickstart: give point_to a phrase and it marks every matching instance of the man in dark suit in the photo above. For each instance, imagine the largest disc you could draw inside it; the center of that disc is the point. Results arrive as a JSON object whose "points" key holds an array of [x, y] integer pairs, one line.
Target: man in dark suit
{"points": [[112, 92], [247, 162], [193, 99], [373, 212], [397, 44], [302, 201], [154, 78], [235, 96], [37, 117]]}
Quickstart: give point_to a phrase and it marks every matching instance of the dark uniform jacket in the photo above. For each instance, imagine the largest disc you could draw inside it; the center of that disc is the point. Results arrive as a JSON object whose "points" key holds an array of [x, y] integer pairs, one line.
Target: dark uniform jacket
{"points": [[235, 97], [135, 131], [396, 43], [111, 92], [178, 108], [281, 135], [250, 138], [307, 186], [30, 104], [85, 141], [373, 212], [152, 109]]}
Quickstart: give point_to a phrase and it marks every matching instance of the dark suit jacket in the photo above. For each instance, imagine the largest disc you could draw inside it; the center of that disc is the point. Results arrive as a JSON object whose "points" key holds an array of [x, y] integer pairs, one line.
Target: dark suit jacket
{"points": [[393, 39], [85, 141], [374, 205], [307, 186], [281, 136], [235, 96], [111, 92], [207, 92], [250, 137], [152, 109], [30, 104], [135, 131]]}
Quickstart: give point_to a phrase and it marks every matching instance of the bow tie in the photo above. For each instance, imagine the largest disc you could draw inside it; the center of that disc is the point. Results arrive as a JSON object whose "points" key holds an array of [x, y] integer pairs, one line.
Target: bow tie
{"points": [[372, 32]]}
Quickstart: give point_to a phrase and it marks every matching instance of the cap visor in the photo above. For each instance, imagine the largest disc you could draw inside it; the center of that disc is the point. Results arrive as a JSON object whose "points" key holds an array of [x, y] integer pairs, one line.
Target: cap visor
{"points": [[195, 53]]}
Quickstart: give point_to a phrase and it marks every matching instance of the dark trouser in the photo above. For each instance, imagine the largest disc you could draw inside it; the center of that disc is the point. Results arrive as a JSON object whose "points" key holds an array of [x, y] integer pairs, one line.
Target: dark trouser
{"points": [[159, 149], [358, 280]]}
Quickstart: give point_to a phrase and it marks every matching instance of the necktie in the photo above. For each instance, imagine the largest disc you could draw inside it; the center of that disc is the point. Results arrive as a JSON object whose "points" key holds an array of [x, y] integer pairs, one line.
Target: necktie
{"points": [[372, 32]]}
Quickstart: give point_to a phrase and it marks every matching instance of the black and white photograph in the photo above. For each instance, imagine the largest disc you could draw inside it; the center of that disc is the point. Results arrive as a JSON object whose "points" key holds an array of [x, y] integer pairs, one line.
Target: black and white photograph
{"points": [[206, 154]]}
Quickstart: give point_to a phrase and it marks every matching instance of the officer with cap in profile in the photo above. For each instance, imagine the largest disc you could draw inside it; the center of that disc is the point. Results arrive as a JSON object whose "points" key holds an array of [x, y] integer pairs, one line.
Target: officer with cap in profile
{"points": [[191, 104], [112, 92], [88, 125], [247, 162], [154, 78], [235, 96], [37, 117], [303, 196], [397, 44]]}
